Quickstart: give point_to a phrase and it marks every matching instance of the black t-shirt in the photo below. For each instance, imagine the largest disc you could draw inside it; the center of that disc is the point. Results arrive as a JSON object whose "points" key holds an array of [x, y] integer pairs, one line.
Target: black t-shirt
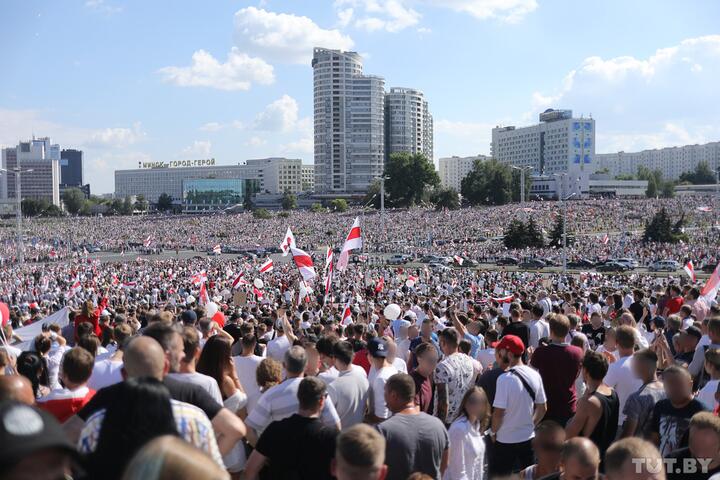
{"points": [[181, 391], [298, 448], [488, 382], [595, 336], [682, 467], [672, 423], [518, 329]]}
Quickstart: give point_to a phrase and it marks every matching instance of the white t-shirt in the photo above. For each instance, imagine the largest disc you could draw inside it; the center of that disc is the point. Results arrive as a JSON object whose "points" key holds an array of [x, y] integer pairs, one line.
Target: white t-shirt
{"points": [[400, 365], [538, 329], [206, 382], [376, 396], [511, 395], [486, 357], [707, 394], [245, 367], [277, 347], [105, 373], [621, 377]]}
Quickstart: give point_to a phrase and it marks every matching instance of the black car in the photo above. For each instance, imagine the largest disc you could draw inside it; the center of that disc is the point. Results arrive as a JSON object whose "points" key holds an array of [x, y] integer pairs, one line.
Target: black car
{"points": [[709, 267], [581, 263], [507, 261], [612, 267], [532, 264]]}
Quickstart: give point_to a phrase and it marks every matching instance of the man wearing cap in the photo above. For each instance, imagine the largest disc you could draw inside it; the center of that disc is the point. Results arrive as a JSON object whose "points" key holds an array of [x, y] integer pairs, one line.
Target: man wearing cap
{"points": [[33, 444], [519, 405], [378, 351]]}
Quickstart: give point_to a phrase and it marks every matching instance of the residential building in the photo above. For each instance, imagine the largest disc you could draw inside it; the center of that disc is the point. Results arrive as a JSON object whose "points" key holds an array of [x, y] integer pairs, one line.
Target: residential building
{"points": [[408, 123], [672, 161], [559, 145], [349, 134], [308, 178], [453, 169], [276, 175], [599, 185], [71, 167], [39, 161]]}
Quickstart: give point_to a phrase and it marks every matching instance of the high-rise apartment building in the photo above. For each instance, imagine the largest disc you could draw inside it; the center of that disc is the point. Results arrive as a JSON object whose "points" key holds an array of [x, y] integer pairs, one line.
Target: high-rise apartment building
{"points": [[559, 145], [349, 110], [452, 170], [39, 162], [408, 123], [672, 161]]}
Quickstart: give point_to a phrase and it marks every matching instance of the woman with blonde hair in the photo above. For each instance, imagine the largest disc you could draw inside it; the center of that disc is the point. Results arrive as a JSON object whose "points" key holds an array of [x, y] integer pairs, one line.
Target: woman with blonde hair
{"points": [[170, 458], [467, 439]]}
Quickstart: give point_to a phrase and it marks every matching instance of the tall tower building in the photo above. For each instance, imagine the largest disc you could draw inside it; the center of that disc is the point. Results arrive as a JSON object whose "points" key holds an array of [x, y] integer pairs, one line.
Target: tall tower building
{"points": [[39, 161], [408, 123], [349, 111], [71, 167]]}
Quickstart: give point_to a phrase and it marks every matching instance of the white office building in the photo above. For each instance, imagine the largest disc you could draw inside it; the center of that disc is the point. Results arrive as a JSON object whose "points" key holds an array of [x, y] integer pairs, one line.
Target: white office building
{"points": [[672, 161], [308, 178], [559, 145], [276, 175], [452, 170], [39, 161], [349, 110], [408, 123]]}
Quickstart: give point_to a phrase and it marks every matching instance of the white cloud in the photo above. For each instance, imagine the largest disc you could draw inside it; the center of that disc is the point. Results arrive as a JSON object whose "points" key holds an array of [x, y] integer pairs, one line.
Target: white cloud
{"points": [[651, 102], [116, 137], [511, 11], [283, 37], [372, 15], [255, 142], [101, 6], [299, 148], [472, 137], [279, 116], [238, 72], [217, 126], [198, 149]]}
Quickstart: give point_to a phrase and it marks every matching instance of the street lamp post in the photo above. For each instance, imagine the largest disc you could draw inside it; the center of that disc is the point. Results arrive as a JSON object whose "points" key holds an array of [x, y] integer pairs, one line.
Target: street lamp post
{"points": [[563, 201], [522, 180], [18, 211]]}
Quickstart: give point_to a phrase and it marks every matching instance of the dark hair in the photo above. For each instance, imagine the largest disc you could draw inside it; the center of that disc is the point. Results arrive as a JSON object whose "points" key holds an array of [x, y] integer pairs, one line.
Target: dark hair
{"points": [[191, 342], [343, 351], [42, 344], [161, 332], [248, 340], [595, 364], [84, 328], [450, 335], [325, 345], [402, 385], [625, 336], [310, 391], [465, 346], [78, 364], [31, 366], [139, 411], [215, 359], [90, 343]]}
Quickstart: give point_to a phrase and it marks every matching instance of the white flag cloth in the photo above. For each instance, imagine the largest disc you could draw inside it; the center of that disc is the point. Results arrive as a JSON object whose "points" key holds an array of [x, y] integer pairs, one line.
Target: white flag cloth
{"points": [[352, 242], [304, 263], [288, 242], [267, 266]]}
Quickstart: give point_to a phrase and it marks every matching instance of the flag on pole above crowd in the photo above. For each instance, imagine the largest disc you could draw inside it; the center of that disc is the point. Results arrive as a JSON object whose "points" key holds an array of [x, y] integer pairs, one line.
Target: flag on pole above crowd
{"points": [[240, 280], [710, 290], [217, 249], [148, 241], [288, 242], [605, 239], [199, 278], [266, 266], [74, 288], [352, 242], [328, 270], [347, 315], [204, 298], [690, 270], [458, 259], [304, 263]]}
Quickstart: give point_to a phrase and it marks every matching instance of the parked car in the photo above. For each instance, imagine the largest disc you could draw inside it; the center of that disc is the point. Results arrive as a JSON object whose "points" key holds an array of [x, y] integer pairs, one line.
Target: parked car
{"points": [[438, 267], [431, 259], [612, 266], [631, 263], [664, 266], [398, 259], [507, 261], [532, 264], [581, 263]]}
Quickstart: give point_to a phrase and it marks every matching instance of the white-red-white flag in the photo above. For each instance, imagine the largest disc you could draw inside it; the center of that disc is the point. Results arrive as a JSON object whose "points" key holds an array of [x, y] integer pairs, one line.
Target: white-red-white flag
{"points": [[458, 259], [258, 293], [380, 285], [148, 241], [704, 209], [352, 242], [288, 242], [74, 288], [690, 270], [506, 299], [328, 271], [267, 266], [605, 239], [204, 298], [710, 290], [347, 315], [129, 284], [115, 280], [304, 263], [199, 278], [240, 280], [217, 249]]}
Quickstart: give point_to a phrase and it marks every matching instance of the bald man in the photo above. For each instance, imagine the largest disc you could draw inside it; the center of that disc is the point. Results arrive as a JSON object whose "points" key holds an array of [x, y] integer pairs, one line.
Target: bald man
{"points": [[580, 459], [16, 387], [145, 357]]}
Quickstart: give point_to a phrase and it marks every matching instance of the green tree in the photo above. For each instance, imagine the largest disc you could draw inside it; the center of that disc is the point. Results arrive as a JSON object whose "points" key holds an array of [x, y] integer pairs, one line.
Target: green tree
{"points": [[74, 199], [261, 214], [408, 177], [488, 183], [445, 198], [625, 176], [289, 201], [31, 207], [141, 204], [317, 207], [661, 229], [556, 234], [372, 197], [514, 235], [127, 206], [668, 189], [533, 235], [339, 205], [53, 211], [652, 188], [165, 202], [516, 179], [702, 175], [116, 207]]}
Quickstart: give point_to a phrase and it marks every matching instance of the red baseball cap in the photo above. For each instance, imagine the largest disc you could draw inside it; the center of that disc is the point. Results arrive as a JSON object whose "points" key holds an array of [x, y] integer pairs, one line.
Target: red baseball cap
{"points": [[512, 343]]}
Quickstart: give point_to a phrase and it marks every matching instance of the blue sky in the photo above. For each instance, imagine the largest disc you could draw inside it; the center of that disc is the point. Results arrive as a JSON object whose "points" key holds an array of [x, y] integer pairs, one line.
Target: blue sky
{"points": [[161, 80]]}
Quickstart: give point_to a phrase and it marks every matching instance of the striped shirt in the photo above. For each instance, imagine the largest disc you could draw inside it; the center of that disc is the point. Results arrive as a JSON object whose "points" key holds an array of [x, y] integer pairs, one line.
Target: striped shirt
{"points": [[281, 402], [192, 424]]}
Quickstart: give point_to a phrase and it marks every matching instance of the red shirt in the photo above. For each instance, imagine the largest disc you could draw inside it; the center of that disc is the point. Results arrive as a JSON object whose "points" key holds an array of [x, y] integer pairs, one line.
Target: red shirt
{"points": [[361, 359], [673, 305], [94, 319], [63, 403], [424, 392], [559, 383]]}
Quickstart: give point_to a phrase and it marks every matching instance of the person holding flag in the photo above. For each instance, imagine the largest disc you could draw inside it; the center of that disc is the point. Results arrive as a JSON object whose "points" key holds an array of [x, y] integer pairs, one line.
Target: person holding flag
{"points": [[352, 242]]}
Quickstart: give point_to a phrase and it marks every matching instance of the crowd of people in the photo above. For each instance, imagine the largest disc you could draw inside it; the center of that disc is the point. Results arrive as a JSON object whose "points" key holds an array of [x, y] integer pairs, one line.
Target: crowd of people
{"points": [[204, 367]]}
